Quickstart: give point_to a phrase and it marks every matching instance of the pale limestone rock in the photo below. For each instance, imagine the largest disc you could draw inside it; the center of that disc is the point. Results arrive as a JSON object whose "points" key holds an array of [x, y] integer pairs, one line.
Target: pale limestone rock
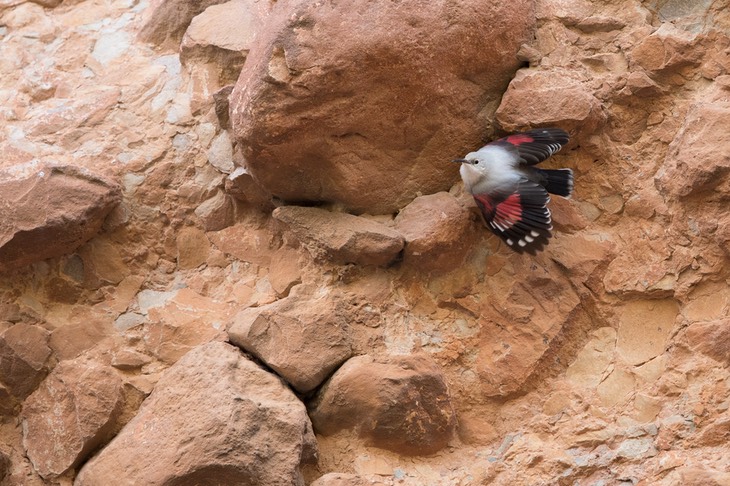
{"points": [[213, 416], [437, 232], [339, 237], [220, 153], [350, 128], [51, 211], [303, 337], [71, 414], [400, 403]]}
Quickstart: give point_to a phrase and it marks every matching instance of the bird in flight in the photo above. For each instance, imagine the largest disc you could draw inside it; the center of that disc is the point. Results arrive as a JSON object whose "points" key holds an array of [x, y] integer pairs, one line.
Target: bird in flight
{"points": [[511, 192]]}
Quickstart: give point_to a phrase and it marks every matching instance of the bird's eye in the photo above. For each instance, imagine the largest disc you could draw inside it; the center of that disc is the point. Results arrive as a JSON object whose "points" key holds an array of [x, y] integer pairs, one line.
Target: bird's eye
{"points": [[476, 162]]}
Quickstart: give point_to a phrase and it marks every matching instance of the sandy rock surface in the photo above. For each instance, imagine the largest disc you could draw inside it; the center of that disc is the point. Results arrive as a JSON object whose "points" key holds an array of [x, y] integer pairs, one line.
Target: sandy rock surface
{"points": [[181, 178]]}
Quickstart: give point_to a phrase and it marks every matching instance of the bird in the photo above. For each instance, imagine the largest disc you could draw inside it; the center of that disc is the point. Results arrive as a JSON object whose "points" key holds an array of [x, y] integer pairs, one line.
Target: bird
{"points": [[511, 193]]}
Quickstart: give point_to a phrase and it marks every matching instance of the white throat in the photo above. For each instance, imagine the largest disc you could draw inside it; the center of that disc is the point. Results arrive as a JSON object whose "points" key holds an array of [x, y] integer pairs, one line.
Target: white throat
{"points": [[496, 168]]}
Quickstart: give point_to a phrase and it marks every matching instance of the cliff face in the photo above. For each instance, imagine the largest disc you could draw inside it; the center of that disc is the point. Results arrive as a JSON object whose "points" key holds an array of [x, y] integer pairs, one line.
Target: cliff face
{"points": [[234, 250]]}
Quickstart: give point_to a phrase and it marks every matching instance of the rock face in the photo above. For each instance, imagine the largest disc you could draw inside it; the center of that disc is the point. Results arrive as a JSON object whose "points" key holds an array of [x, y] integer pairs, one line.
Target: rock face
{"points": [[72, 413], [304, 106], [401, 404], [339, 237], [302, 339], [49, 211], [214, 417], [604, 359]]}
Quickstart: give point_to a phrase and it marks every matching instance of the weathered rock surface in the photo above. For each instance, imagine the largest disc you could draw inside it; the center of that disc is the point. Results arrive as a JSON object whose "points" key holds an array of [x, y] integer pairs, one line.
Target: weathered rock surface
{"points": [[304, 105], [437, 232], [49, 211], [303, 338], [213, 417], [24, 354], [697, 163], [401, 403], [72, 413], [340, 237], [341, 479], [544, 98], [167, 21]]}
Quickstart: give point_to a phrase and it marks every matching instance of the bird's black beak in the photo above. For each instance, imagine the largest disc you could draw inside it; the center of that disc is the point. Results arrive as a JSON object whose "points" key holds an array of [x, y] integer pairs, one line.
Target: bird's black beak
{"points": [[460, 161]]}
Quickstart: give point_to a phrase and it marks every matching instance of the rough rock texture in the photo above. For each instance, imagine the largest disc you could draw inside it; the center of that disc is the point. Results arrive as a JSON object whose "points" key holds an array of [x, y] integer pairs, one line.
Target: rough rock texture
{"points": [[24, 354], [602, 360], [214, 417], [340, 237], [49, 211], [437, 230], [303, 337], [71, 414], [305, 106], [400, 403]]}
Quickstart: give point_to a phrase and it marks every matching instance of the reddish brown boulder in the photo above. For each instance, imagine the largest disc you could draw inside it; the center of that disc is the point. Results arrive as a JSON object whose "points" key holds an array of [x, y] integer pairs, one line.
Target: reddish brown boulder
{"points": [[70, 415], [339, 237], [49, 211], [437, 232], [372, 118], [302, 338], [550, 98], [214, 417], [401, 403], [710, 338]]}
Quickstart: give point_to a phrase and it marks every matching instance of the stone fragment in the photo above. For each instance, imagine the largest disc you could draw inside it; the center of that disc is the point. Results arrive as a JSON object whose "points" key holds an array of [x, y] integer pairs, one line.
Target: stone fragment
{"points": [[697, 162], [644, 329], [701, 476], [222, 106], [244, 243], [24, 354], [400, 403], [217, 212], [437, 232], [339, 237], [214, 417], [49, 211], [241, 185], [127, 359], [324, 112], [710, 338], [550, 98], [302, 337], [83, 331], [71, 414], [220, 153], [221, 36], [167, 20]]}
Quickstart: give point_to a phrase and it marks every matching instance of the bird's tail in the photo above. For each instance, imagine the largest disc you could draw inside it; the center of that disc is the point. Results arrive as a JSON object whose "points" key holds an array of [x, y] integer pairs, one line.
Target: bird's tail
{"points": [[558, 181]]}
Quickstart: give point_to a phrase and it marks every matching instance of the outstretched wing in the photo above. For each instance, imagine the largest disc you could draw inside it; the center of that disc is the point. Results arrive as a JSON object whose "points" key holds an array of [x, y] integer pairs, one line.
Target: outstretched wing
{"points": [[521, 217], [535, 146]]}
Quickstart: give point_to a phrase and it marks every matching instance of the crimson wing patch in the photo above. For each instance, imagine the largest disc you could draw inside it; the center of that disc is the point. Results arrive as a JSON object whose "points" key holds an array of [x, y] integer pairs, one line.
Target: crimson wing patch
{"points": [[535, 146], [520, 218]]}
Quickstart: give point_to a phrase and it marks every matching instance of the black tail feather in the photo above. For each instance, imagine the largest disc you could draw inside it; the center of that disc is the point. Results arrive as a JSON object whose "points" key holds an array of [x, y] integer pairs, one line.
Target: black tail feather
{"points": [[558, 181]]}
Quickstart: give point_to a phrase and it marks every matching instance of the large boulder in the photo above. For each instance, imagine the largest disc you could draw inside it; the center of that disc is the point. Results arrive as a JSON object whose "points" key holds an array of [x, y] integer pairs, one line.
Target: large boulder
{"points": [[214, 417], [365, 103], [50, 210], [400, 403]]}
